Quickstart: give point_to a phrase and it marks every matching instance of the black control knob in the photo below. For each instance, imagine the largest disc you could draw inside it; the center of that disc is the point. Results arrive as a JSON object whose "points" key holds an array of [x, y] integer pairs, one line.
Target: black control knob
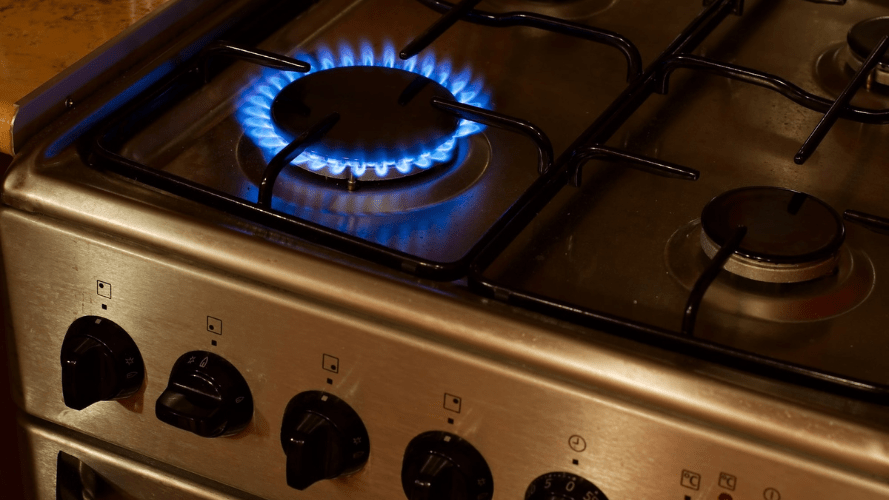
{"points": [[100, 362], [442, 466], [323, 438], [206, 395], [563, 486]]}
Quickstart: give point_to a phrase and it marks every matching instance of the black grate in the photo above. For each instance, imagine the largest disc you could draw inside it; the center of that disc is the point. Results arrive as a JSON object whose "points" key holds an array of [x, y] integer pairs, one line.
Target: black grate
{"points": [[655, 79], [554, 174]]}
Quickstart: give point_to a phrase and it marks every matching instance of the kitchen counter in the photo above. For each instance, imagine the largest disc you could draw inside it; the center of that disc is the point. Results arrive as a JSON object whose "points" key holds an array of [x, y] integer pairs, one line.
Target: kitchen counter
{"points": [[44, 41]]}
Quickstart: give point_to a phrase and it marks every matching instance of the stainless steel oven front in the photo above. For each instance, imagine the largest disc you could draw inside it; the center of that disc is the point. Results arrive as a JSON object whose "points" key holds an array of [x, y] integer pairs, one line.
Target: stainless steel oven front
{"points": [[215, 293]]}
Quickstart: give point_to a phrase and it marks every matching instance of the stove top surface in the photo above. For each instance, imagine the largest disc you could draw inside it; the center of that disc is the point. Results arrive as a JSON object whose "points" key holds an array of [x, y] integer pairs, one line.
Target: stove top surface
{"points": [[559, 245], [623, 249]]}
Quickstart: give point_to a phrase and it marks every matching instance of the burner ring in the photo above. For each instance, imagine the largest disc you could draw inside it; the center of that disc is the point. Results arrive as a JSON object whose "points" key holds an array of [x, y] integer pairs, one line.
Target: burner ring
{"points": [[791, 236], [796, 302], [385, 113], [254, 112], [771, 272], [861, 40], [307, 194]]}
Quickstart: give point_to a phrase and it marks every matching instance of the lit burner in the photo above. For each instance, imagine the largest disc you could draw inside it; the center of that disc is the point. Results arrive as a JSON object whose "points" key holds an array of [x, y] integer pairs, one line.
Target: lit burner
{"points": [[385, 114], [791, 236], [374, 150], [861, 40]]}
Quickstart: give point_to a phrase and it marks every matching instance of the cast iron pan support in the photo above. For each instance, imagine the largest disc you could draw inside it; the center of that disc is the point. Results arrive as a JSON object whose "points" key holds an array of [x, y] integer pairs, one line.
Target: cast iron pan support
{"points": [[288, 153], [707, 277], [547, 186], [465, 11], [639, 162], [109, 139], [250, 54], [872, 222], [737, 7], [494, 119], [833, 113], [765, 80], [438, 28]]}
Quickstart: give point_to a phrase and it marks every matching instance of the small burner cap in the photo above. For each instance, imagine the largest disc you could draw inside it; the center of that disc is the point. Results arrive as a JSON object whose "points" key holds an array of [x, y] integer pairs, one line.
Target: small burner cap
{"points": [[385, 113], [783, 226], [864, 36]]}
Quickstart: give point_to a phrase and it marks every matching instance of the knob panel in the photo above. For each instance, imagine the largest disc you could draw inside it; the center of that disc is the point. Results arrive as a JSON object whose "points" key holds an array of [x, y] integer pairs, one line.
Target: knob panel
{"points": [[443, 466], [100, 362], [563, 485], [206, 395], [323, 438]]}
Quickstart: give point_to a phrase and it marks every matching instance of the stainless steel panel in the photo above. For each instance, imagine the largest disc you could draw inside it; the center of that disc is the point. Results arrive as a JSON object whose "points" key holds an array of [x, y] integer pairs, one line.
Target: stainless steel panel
{"points": [[521, 413], [117, 474]]}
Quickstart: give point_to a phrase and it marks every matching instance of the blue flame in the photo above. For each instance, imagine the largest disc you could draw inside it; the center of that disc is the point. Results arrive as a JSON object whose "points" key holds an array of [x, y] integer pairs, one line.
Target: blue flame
{"points": [[255, 113]]}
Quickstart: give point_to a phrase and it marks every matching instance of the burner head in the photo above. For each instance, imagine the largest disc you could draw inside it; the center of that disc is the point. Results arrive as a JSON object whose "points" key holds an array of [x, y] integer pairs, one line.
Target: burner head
{"points": [[385, 115], [791, 236], [862, 39]]}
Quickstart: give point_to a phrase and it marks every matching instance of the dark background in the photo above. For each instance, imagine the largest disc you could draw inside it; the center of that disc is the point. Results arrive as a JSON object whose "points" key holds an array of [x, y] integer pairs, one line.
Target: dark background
{"points": [[10, 469]]}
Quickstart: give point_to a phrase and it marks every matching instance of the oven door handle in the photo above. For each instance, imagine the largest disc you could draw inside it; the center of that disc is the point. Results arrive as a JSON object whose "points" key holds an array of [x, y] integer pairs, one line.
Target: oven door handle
{"points": [[76, 480]]}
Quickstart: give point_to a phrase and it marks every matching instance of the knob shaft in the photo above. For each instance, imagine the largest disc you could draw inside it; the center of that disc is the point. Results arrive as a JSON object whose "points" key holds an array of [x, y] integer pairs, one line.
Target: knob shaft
{"points": [[443, 466], [563, 485], [206, 395], [323, 438], [100, 361]]}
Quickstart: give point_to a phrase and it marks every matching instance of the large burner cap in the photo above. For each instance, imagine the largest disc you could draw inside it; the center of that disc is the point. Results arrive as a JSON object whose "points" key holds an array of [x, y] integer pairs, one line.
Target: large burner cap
{"points": [[861, 40], [791, 236], [864, 36], [385, 113]]}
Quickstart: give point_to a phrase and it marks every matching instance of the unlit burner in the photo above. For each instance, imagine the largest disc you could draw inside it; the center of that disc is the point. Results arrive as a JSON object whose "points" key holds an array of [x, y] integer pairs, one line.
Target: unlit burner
{"points": [[861, 40], [791, 236], [386, 115]]}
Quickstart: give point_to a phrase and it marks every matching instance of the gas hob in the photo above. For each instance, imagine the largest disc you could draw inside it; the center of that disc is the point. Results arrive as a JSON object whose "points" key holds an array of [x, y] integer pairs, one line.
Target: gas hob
{"points": [[592, 249]]}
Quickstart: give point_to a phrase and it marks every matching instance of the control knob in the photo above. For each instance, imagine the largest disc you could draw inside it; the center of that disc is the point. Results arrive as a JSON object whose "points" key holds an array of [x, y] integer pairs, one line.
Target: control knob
{"points": [[563, 486], [100, 362], [323, 438], [206, 395], [443, 466]]}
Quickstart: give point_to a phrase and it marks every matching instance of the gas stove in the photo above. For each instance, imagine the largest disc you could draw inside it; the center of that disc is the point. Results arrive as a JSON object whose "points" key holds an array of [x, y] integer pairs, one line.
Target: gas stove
{"points": [[410, 249]]}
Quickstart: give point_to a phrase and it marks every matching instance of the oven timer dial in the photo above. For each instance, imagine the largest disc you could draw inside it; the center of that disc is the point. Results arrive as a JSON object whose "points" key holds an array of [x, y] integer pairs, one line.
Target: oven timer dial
{"points": [[323, 438], [206, 395], [100, 362], [563, 486]]}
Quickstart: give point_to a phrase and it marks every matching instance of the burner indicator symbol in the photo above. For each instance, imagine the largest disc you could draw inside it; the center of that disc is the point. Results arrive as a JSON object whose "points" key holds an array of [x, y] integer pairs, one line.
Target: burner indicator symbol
{"points": [[103, 288], [691, 480], [453, 403], [214, 325], [727, 481], [330, 363]]}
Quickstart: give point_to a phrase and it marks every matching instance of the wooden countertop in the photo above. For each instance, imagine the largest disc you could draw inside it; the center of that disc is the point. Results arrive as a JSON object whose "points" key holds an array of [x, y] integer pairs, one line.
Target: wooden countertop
{"points": [[39, 39]]}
